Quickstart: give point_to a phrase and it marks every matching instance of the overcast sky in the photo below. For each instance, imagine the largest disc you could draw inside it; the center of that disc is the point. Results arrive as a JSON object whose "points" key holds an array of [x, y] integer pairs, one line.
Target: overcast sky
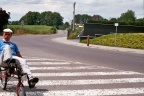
{"points": [[106, 8]]}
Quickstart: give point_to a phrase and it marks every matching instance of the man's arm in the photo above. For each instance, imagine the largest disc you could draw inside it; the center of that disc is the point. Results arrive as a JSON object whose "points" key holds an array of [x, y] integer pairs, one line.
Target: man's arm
{"points": [[19, 55]]}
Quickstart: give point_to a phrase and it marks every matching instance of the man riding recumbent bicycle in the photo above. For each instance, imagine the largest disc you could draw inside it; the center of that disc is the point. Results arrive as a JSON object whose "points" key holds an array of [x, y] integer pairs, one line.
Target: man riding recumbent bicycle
{"points": [[15, 64]]}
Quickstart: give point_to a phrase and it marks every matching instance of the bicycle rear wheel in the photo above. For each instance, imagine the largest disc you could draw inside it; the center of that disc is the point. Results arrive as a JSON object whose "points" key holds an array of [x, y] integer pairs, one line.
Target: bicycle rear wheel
{"points": [[3, 80], [21, 90]]}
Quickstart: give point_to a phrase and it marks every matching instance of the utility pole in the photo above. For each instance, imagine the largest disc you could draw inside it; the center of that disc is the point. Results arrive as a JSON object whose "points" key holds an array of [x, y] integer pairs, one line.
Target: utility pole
{"points": [[74, 16], [143, 8]]}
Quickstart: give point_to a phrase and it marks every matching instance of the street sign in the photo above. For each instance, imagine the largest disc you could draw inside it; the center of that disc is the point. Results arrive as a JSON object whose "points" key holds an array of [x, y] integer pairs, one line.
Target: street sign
{"points": [[116, 24]]}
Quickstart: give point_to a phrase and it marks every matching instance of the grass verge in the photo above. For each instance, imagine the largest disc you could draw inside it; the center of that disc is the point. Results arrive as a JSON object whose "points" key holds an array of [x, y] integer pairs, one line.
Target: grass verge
{"points": [[33, 29], [126, 40]]}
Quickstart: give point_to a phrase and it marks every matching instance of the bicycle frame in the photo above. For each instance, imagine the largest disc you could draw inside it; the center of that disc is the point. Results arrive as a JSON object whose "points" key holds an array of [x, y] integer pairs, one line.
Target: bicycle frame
{"points": [[6, 76]]}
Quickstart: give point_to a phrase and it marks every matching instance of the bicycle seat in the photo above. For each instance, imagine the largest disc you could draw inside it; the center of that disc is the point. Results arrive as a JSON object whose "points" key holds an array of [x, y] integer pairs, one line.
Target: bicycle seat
{"points": [[12, 62], [11, 65]]}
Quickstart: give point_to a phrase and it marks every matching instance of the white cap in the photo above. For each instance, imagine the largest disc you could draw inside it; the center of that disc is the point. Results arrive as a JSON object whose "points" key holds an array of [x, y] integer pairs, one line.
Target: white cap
{"points": [[8, 30]]}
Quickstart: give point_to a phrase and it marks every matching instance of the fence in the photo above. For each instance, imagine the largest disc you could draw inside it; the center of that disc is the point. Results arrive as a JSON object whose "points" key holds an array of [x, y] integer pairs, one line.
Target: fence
{"points": [[103, 29]]}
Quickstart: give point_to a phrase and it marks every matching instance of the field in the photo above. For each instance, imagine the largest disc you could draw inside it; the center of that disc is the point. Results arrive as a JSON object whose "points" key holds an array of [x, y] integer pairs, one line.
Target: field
{"points": [[32, 29]]}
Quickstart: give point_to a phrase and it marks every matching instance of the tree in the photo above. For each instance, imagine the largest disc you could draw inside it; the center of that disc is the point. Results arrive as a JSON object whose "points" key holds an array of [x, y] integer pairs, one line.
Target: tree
{"points": [[128, 17], [97, 17], [31, 18], [139, 22], [3, 18], [45, 18], [66, 24], [51, 18], [57, 19], [81, 19]]}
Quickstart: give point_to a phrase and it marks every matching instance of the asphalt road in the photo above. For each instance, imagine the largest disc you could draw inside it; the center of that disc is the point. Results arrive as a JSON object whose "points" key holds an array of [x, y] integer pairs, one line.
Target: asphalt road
{"points": [[43, 46], [67, 70]]}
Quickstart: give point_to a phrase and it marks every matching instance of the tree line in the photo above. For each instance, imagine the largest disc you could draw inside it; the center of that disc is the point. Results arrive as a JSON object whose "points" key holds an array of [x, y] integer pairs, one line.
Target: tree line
{"points": [[45, 18], [127, 18]]}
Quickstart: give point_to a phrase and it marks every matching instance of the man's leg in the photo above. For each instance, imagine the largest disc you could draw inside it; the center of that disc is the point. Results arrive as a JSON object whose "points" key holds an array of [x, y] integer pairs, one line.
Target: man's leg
{"points": [[32, 81], [6, 55]]}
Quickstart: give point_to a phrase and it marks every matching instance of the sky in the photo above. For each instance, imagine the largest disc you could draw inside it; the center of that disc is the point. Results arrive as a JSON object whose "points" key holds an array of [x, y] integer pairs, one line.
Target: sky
{"points": [[106, 8]]}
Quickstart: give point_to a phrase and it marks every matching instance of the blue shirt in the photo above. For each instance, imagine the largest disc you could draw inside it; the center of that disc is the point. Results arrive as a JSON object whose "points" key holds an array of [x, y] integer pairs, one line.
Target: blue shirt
{"points": [[13, 47]]}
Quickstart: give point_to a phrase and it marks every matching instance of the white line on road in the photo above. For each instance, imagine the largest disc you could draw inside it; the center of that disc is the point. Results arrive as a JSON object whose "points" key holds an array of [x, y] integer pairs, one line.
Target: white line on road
{"points": [[88, 92], [83, 82], [48, 63], [65, 68], [94, 92], [87, 82], [42, 59], [86, 73]]}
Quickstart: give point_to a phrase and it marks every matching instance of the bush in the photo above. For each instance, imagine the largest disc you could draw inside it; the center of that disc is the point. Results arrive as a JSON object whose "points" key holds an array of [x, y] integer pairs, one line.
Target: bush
{"points": [[53, 30], [73, 35]]}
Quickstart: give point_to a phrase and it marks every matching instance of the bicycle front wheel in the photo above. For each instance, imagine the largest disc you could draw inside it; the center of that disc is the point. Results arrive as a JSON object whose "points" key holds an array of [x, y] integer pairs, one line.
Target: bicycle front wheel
{"points": [[21, 90]]}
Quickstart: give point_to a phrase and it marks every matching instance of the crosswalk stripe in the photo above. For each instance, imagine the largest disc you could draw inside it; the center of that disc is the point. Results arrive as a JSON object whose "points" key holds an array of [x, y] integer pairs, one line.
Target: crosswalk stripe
{"points": [[88, 92], [85, 82], [86, 73], [65, 68], [48, 63], [42, 59], [94, 92]]}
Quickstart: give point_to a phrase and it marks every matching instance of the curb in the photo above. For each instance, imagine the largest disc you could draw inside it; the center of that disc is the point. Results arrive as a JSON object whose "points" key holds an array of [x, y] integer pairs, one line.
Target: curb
{"points": [[72, 42]]}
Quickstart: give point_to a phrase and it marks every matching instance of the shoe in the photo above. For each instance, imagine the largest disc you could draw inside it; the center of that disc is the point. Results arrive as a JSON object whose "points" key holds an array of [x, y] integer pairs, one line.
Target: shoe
{"points": [[32, 82]]}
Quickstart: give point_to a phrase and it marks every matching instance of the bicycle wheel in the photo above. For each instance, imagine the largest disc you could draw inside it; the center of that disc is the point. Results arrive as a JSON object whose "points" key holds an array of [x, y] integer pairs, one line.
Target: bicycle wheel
{"points": [[21, 90], [3, 80]]}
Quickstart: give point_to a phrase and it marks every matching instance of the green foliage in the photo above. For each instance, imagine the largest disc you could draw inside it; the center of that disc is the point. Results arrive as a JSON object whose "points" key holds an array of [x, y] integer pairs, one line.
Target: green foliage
{"points": [[128, 17], [3, 18], [73, 35], [33, 29], [31, 18], [53, 30], [45, 18], [139, 22], [130, 40], [81, 19]]}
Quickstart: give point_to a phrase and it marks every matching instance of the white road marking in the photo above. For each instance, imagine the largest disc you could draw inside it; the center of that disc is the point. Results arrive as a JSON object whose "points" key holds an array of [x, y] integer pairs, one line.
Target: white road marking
{"points": [[86, 73], [65, 68], [87, 82], [38, 59], [48, 63], [84, 82], [42, 59], [94, 92], [53, 63], [88, 92]]}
